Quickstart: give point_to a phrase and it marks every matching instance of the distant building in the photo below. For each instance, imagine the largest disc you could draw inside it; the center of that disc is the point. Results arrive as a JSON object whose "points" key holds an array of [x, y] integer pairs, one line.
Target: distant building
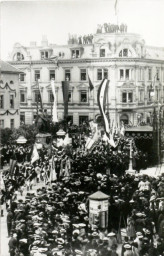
{"points": [[9, 96], [133, 69]]}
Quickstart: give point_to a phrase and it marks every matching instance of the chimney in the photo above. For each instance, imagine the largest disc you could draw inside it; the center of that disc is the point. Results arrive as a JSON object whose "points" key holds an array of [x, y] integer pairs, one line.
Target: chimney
{"points": [[44, 41]]}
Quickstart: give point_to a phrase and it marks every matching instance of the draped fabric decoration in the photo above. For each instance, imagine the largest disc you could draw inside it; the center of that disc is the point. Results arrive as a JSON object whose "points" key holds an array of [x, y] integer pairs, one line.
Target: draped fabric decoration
{"points": [[8, 87], [101, 98], [65, 88], [54, 111], [8, 112], [91, 87]]}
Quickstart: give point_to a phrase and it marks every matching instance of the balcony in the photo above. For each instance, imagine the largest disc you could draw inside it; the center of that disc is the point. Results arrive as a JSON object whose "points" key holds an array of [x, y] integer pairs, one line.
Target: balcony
{"points": [[128, 105], [141, 103]]}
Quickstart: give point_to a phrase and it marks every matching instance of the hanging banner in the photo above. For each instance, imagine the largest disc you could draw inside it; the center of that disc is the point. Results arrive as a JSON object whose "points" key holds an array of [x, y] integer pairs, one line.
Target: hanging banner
{"points": [[65, 88], [54, 111]]}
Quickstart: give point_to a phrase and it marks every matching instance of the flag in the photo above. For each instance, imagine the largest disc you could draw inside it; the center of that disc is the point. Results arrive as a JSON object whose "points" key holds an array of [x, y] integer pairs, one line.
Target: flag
{"points": [[12, 165], [65, 88], [91, 141], [122, 132], [109, 140], [93, 127], [67, 140], [54, 59], [91, 87], [35, 155], [113, 129], [53, 175], [39, 97], [54, 111], [116, 7], [101, 98]]}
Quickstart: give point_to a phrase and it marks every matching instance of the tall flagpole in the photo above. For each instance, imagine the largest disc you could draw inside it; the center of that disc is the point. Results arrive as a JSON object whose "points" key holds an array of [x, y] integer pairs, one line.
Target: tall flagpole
{"points": [[116, 11]]}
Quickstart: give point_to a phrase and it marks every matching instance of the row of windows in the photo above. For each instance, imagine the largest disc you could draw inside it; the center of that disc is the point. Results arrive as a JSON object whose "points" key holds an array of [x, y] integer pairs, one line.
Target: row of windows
{"points": [[124, 74], [127, 97], [101, 73], [83, 96], [75, 53], [11, 102], [12, 123]]}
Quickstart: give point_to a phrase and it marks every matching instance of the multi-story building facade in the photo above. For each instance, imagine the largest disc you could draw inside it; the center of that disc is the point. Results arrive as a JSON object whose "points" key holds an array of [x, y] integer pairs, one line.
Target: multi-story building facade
{"points": [[132, 68], [9, 96]]}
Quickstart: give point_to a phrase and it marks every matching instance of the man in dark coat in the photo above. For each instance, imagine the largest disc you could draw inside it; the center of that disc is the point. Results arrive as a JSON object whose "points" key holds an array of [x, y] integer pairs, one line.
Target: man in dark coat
{"points": [[9, 221], [13, 244]]}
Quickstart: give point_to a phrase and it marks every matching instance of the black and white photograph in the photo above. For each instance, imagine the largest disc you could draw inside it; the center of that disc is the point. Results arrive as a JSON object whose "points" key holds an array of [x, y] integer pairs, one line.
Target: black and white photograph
{"points": [[82, 128]]}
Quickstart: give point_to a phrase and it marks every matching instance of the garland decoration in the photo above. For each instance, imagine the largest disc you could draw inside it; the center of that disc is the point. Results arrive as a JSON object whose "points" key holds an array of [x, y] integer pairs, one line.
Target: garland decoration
{"points": [[7, 86], [8, 112]]}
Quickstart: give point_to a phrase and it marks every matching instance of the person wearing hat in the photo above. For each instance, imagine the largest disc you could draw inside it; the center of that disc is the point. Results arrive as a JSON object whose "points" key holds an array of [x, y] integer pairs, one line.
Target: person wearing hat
{"points": [[128, 250], [112, 239], [130, 228], [139, 241], [126, 241]]}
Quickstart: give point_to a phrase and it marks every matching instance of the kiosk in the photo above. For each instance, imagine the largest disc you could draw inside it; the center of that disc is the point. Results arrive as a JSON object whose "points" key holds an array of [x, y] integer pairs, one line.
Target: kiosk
{"points": [[98, 209]]}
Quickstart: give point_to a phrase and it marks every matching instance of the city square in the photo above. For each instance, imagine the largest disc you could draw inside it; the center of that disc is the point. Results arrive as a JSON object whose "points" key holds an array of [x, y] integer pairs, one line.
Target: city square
{"points": [[82, 129]]}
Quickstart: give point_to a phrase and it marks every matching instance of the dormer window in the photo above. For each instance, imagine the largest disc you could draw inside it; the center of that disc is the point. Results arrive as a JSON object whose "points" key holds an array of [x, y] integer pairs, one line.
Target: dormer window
{"points": [[18, 56], [75, 54], [125, 53], [44, 55], [102, 52]]}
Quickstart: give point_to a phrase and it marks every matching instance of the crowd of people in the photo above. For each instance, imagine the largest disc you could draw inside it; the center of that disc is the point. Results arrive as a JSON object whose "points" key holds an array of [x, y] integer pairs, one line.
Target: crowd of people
{"points": [[111, 28], [105, 28], [86, 39], [55, 219]]}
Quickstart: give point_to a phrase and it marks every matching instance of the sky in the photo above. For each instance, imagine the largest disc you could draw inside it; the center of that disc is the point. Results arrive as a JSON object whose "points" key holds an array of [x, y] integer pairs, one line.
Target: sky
{"points": [[26, 21]]}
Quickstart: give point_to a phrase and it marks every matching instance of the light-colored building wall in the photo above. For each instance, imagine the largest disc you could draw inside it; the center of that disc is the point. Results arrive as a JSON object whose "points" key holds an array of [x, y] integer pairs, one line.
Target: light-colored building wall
{"points": [[128, 75], [10, 108]]}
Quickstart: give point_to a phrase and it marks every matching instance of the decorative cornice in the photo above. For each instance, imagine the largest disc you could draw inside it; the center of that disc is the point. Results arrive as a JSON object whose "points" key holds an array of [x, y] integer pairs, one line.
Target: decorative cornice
{"points": [[88, 60]]}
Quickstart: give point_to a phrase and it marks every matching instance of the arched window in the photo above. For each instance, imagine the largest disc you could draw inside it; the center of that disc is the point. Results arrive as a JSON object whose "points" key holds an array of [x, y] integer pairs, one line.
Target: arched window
{"points": [[125, 53], [18, 56], [11, 82], [124, 118]]}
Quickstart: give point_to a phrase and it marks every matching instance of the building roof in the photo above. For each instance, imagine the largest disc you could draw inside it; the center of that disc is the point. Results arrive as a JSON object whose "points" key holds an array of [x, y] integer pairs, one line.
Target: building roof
{"points": [[5, 67], [98, 196]]}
